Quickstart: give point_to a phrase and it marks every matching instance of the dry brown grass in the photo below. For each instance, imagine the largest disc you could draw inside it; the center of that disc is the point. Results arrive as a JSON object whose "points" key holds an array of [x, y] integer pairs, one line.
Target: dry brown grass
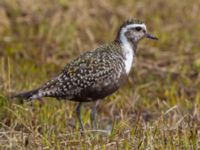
{"points": [[158, 108]]}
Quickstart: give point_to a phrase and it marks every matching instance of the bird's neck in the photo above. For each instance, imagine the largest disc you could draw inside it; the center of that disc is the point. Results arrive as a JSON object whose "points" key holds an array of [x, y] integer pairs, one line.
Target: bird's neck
{"points": [[128, 50], [122, 40]]}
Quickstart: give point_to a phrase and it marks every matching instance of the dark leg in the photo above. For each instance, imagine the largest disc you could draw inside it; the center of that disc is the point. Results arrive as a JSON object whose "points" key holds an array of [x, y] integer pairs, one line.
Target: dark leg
{"points": [[41, 102], [93, 115], [78, 113]]}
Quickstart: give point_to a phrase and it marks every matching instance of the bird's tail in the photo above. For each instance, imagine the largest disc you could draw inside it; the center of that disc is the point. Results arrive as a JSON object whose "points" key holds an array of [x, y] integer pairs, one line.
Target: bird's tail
{"points": [[30, 95]]}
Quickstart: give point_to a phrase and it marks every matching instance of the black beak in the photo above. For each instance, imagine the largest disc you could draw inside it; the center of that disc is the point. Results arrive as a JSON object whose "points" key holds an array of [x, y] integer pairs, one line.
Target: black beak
{"points": [[150, 36]]}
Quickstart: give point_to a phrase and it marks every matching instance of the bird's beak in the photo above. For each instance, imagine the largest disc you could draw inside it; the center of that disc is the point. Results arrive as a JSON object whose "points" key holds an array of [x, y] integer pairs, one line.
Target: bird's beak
{"points": [[150, 36]]}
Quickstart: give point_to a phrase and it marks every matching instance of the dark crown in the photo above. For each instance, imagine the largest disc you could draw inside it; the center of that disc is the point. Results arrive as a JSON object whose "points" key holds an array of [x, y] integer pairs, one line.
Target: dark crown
{"points": [[130, 21]]}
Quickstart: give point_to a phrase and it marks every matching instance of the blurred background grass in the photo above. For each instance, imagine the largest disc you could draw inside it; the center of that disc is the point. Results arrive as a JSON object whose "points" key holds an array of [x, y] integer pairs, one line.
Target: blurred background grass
{"points": [[159, 106]]}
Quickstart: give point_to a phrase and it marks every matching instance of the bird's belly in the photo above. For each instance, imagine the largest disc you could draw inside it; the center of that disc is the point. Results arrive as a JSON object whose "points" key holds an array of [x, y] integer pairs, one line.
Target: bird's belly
{"points": [[100, 90]]}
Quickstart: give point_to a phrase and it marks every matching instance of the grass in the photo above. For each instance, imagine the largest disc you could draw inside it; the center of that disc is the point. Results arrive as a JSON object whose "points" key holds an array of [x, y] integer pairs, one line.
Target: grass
{"points": [[157, 108]]}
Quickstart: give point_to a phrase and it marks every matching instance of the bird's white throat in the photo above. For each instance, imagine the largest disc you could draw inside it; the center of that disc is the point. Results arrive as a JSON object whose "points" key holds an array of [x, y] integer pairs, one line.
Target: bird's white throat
{"points": [[128, 52]]}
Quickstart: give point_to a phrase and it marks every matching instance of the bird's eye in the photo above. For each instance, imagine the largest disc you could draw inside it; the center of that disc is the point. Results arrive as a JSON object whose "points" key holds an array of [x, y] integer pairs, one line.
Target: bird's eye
{"points": [[138, 28]]}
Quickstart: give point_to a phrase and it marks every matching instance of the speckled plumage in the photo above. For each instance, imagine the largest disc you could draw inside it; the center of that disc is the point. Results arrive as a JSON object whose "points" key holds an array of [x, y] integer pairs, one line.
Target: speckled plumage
{"points": [[97, 73], [91, 76]]}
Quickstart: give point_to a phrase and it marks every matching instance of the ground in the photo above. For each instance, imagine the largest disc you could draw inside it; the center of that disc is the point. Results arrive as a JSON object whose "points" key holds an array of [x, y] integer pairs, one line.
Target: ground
{"points": [[157, 108]]}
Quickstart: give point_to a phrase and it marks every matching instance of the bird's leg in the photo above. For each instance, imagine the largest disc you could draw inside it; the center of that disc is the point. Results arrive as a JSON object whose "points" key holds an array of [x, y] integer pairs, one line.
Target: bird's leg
{"points": [[93, 115], [78, 113], [41, 102]]}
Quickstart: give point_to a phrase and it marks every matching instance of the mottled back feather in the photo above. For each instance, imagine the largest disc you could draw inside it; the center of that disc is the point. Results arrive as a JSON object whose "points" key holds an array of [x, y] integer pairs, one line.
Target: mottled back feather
{"points": [[93, 70]]}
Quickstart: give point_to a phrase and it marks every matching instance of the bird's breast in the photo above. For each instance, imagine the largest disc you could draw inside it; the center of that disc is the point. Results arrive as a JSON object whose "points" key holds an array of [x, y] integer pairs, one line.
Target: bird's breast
{"points": [[128, 56]]}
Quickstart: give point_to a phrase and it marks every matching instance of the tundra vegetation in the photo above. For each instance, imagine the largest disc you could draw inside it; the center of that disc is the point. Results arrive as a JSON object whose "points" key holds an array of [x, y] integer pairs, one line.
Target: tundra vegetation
{"points": [[157, 108]]}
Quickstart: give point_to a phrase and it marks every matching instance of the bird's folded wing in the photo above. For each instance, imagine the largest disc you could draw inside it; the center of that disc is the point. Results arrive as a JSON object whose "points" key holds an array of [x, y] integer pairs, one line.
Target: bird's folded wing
{"points": [[88, 70]]}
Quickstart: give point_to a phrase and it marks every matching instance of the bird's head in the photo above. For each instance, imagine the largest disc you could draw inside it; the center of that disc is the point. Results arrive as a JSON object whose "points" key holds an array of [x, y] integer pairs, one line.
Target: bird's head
{"points": [[133, 31]]}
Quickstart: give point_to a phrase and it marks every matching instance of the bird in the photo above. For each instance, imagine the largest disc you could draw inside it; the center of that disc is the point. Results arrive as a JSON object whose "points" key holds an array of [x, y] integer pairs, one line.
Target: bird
{"points": [[97, 73]]}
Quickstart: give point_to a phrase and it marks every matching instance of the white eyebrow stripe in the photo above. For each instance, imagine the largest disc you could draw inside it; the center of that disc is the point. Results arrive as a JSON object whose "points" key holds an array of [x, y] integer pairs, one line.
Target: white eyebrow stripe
{"points": [[136, 25]]}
